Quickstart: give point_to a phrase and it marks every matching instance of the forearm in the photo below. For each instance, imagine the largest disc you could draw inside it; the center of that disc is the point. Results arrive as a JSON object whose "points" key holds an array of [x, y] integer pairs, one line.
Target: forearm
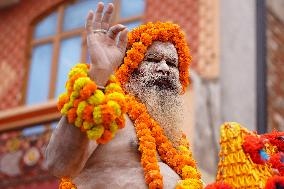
{"points": [[68, 150]]}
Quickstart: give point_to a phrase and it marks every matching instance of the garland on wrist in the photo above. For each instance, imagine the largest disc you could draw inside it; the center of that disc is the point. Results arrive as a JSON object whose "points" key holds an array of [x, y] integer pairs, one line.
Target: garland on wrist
{"points": [[99, 114]]}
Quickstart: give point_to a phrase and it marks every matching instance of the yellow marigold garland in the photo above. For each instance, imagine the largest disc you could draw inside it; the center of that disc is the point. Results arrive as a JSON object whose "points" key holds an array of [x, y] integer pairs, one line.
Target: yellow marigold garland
{"points": [[95, 112]]}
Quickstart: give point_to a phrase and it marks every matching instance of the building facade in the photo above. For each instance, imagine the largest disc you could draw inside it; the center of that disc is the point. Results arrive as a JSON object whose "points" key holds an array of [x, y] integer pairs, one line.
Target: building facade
{"points": [[42, 40]]}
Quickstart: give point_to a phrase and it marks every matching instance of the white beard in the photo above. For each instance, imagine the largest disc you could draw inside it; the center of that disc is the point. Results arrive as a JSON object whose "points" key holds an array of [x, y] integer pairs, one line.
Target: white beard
{"points": [[165, 107]]}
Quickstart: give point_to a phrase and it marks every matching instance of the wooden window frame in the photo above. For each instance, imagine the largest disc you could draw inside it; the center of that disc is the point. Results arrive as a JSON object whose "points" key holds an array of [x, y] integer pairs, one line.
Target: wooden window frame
{"points": [[61, 35], [28, 116], [44, 113]]}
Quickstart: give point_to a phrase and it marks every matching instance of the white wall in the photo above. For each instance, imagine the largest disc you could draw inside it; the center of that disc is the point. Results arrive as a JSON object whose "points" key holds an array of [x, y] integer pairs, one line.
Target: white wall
{"points": [[238, 61]]}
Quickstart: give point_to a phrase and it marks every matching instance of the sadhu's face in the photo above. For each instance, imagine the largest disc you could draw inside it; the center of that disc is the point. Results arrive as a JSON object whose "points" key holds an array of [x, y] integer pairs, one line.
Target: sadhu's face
{"points": [[159, 69]]}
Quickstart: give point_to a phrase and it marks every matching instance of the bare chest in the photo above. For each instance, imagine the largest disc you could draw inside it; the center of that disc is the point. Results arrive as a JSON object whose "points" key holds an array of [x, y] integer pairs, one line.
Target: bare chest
{"points": [[117, 165]]}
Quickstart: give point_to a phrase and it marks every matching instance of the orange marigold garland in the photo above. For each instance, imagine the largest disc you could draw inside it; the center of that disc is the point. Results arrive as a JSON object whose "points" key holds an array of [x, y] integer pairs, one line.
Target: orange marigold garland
{"points": [[151, 134], [66, 183], [140, 38]]}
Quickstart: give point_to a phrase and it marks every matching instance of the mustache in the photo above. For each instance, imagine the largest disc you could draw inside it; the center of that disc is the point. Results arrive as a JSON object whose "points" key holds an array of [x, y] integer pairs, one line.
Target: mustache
{"points": [[163, 82]]}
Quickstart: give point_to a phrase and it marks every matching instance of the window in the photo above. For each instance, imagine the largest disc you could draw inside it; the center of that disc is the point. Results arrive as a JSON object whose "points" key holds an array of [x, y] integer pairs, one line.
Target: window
{"points": [[59, 42]]}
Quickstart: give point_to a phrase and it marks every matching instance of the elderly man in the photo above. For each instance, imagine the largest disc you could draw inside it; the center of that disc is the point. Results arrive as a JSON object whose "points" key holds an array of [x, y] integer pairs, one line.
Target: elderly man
{"points": [[156, 83]]}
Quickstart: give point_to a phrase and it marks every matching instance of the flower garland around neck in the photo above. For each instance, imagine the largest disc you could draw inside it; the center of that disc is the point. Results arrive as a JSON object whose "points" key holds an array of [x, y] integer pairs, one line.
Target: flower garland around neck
{"points": [[151, 137], [149, 133]]}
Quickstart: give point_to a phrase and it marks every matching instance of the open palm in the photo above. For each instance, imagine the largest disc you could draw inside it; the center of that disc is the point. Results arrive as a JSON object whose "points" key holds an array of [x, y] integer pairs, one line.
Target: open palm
{"points": [[106, 54]]}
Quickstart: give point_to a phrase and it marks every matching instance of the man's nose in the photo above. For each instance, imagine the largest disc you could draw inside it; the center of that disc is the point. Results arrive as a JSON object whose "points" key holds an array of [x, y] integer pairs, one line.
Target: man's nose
{"points": [[163, 68]]}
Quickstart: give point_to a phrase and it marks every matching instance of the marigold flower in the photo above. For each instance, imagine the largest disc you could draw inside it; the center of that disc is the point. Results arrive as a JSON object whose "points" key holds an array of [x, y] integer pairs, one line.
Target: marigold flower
{"points": [[190, 172], [115, 106], [107, 136], [189, 184], [66, 183], [152, 175], [88, 90], [87, 125], [78, 122], [80, 108], [113, 87], [113, 128], [97, 98], [96, 132], [97, 115], [81, 82], [120, 122], [76, 71], [156, 184], [108, 115], [71, 116], [88, 113], [70, 84]]}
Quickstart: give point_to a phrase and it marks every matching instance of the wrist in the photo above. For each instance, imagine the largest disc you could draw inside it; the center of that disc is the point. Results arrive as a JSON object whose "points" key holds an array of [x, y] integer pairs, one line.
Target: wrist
{"points": [[99, 76], [98, 113]]}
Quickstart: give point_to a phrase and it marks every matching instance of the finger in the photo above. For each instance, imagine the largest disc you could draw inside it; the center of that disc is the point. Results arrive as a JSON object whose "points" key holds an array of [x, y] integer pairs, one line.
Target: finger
{"points": [[89, 22], [107, 16], [122, 42], [98, 16], [114, 30]]}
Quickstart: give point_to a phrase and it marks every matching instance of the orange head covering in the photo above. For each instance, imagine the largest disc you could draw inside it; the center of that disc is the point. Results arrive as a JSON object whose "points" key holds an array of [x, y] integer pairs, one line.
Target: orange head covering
{"points": [[140, 38]]}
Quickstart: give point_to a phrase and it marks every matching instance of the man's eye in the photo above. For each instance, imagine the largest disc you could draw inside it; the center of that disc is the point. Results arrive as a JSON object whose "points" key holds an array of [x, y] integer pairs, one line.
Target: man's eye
{"points": [[171, 64], [153, 60]]}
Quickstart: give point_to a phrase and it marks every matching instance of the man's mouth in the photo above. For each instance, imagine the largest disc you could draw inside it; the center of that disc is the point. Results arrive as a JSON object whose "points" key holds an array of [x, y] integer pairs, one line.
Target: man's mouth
{"points": [[163, 83]]}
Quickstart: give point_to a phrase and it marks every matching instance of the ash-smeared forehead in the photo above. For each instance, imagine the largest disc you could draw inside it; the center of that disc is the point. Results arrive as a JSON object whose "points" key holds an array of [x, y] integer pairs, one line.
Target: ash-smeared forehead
{"points": [[162, 50]]}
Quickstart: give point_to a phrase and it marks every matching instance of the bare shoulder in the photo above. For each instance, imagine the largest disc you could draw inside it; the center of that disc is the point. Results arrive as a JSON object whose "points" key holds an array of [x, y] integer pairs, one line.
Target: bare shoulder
{"points": [[125, 144], [117, 163]]}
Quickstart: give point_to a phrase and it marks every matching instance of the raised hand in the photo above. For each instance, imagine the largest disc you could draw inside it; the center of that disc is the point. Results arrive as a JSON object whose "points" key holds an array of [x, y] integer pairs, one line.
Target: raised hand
{"points": [[106, 55]]}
